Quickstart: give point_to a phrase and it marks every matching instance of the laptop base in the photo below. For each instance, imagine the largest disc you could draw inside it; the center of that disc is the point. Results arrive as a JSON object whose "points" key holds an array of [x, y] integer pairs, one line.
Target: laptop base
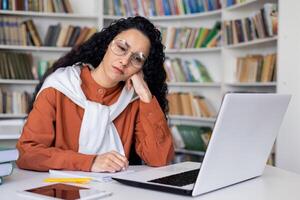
{"points": [[155, 187]]}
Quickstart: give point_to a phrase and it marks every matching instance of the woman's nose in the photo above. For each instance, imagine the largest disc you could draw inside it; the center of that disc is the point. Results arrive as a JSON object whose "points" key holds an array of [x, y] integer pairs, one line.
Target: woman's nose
{"points": [[125, 59]]}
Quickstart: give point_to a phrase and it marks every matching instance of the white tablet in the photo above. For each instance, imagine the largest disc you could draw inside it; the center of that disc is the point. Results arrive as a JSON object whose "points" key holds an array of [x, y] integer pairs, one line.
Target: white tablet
{"points": [[63, 191]]}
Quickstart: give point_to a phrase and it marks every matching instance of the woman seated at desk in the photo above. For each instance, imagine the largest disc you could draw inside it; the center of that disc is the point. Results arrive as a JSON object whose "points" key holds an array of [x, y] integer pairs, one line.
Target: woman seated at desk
{"points": [[100, 100]]}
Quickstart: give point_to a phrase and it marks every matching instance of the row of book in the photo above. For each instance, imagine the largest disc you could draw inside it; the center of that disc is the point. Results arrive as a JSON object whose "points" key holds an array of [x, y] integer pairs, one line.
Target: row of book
{"points": [[16, 65], [233, 2], [261, 24], [14, 102], [67, 35], [158, 7], [58, 6], [256, 68], [186, 104], [7, 158], [179, 70], [191, 137], [190, 37], [13, 31]]}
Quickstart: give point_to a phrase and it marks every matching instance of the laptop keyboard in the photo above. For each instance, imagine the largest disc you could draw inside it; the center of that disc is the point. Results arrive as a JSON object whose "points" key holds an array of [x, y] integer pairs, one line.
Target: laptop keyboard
{"points": [[180, 179]]}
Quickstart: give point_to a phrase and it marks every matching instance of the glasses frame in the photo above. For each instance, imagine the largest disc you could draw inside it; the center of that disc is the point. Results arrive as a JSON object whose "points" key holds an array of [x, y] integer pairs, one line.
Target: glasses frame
{"points": [[140, 54]]}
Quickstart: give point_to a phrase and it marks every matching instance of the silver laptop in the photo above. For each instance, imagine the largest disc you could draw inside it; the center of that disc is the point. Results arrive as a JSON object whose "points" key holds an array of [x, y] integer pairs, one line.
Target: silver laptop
{"points": [[242, 139]]}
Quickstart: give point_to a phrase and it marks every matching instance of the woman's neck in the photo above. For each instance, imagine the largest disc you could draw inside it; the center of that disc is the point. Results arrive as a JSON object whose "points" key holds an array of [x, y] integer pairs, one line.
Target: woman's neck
{"points": [[101, 78]]}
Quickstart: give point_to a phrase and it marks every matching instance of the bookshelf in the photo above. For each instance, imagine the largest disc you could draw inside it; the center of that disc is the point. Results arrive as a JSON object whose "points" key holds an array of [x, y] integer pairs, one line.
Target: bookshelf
{"points": [[230, 52], [287, 148], [258, 46], [83, 15]]}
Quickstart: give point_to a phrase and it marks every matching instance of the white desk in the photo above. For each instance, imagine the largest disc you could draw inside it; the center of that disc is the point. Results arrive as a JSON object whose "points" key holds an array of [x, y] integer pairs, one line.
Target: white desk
{"points": [[275, 184]]}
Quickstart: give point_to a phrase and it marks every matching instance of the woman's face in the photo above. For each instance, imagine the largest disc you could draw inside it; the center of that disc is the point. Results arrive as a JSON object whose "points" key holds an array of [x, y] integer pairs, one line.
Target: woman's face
{"points": [[126, 55]]}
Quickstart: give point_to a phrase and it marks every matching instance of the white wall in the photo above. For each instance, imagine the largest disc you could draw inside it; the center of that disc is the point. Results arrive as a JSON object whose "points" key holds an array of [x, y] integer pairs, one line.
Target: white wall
{"points": [[288, 143]]}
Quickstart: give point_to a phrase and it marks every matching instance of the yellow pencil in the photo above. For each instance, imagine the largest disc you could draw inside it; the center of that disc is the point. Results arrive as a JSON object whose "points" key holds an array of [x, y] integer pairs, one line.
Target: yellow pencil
{"points": [[68, 180]]}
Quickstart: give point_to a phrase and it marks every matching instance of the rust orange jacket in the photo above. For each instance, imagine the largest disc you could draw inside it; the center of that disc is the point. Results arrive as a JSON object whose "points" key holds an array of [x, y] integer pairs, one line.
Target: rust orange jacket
{"points": [[50, 136]]}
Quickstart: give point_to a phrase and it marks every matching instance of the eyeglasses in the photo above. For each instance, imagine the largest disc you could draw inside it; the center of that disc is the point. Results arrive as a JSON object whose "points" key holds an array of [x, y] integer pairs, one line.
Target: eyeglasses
{"points": [[120, 48]]}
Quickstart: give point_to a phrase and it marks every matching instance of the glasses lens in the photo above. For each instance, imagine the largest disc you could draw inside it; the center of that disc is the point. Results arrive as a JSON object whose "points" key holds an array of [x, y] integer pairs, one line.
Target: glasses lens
{"points": [[138, 60], [119, 47]]}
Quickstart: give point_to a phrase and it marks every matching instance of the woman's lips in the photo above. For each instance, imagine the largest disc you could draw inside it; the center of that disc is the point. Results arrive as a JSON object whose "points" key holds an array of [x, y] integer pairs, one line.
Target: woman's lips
{"points": [[120, 71]]}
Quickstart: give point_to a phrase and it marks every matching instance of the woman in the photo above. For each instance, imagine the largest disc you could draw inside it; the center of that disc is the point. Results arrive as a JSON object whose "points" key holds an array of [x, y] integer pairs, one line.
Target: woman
{"points": [[98, 101]]}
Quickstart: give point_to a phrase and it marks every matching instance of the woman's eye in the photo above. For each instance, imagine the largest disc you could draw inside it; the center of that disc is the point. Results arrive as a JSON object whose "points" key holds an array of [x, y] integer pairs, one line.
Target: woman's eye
{"points": [[122, 48]]}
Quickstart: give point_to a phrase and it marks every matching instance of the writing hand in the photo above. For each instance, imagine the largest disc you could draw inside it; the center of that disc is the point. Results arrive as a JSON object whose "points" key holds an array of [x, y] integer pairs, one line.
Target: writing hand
{"points": [[109, 162]]}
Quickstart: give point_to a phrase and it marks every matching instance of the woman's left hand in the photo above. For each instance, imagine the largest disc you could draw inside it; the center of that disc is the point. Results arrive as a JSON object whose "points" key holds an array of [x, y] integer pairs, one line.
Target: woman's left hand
{"points": [[140, 86]]}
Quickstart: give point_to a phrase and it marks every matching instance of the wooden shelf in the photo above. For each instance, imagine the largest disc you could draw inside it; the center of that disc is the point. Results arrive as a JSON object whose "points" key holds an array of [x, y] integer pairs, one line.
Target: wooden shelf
{"points": [[11, 129], [240, 5], [252, 43], [21, 82], [255, 84], [173, 17], [193, 84], [190, 152], [190, 120], [9, 136], [34, 48], [12, 116], [193, 50], [47, 15]]}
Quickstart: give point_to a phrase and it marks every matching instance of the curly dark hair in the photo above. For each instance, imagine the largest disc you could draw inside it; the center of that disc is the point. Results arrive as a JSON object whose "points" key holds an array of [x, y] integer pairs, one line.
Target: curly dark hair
{"points": [[92, 51]]}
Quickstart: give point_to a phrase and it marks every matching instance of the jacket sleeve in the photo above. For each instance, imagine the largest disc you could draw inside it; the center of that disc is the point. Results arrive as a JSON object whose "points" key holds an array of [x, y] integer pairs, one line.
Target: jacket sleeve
{"points": [[154, 143], [36, 144]]}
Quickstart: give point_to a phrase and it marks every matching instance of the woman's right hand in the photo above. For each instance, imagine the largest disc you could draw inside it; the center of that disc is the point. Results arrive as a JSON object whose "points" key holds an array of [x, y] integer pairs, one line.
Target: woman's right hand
{"points": [[109, 162]]}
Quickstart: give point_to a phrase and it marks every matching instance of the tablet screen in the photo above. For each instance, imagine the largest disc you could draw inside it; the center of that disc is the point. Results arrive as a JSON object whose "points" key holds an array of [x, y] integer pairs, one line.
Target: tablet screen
{"points": [[64, 191]]}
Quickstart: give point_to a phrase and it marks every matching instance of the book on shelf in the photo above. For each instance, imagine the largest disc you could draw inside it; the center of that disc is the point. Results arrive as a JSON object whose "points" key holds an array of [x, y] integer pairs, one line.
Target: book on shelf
{"points": [[256, 68], [159, 7], [177, 139], [271, 18], [61, 6], [187, 104], [181, 70], [191, 37], [42, 66], [191, 137], [16, 65], [34, 35], [261, 24], [14, 102], [234, 2]]}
